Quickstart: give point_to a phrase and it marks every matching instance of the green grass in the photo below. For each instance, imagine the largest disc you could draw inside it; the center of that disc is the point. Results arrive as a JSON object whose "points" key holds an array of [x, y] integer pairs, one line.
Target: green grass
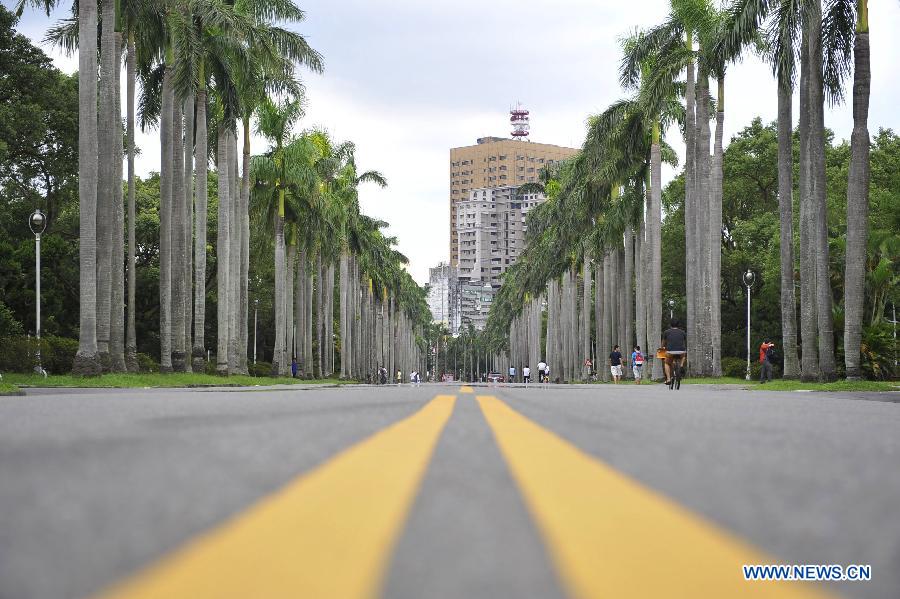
{"points": [[152, 380], [788, 385], [7, 388]]}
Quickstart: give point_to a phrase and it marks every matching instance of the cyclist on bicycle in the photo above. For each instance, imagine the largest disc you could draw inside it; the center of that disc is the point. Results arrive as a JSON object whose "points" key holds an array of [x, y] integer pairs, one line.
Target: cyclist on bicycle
{"points": [[674, 340]]}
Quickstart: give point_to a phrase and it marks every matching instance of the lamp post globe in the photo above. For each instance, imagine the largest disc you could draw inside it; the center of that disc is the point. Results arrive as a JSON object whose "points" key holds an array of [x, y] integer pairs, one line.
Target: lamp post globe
{"points": [[37, 222], [671, 303]]}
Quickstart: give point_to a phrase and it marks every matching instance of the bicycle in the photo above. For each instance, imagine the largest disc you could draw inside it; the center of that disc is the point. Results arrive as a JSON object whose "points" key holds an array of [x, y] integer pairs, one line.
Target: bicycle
{"points": [[677, 371]]}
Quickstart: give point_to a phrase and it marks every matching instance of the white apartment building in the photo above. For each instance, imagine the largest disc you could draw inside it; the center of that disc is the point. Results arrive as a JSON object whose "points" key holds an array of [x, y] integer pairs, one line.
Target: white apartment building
{"points": [[491, 229], [443, 295]]}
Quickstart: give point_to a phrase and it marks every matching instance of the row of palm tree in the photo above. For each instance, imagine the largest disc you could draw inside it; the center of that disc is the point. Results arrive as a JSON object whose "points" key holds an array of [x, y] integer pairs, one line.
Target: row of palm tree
{"points": [[308, 187], [208, 70], [606, 202]]}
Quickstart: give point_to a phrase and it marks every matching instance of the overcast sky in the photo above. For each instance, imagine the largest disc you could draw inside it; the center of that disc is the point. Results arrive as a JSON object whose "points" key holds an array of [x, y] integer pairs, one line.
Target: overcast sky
{"points": [[407, 80]]}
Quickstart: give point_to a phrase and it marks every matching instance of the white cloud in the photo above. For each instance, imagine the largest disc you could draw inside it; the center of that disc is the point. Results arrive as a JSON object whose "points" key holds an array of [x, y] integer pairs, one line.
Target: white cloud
{"points": [[407, 80]]}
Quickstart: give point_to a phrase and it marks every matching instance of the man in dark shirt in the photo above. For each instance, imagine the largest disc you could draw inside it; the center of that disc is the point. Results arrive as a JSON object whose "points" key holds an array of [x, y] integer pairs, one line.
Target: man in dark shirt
{"points": [[615, 364], [674, 340]]}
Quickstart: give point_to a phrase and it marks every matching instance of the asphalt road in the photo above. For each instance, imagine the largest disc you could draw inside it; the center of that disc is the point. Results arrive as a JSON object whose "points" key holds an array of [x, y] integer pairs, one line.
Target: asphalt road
{"points": [[465, 497]]}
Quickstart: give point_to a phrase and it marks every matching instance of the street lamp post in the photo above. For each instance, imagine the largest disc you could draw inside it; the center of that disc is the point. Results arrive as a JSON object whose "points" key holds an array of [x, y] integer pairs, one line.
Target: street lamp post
{"points": [[255, 314], [37, 222], [671, 309], [749, 277]]}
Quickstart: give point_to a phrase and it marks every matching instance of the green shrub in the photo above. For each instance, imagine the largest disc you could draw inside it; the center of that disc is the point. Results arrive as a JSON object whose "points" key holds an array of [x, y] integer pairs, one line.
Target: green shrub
{"points": [[877, 352], [58, 353], [19, 354], [737, 368], [146, 363], [261, 369]]}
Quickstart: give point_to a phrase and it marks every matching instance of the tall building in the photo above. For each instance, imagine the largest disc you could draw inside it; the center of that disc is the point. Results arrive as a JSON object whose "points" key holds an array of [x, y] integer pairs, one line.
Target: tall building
{"points": [[495, 162], [443, 295], [491, 230]]}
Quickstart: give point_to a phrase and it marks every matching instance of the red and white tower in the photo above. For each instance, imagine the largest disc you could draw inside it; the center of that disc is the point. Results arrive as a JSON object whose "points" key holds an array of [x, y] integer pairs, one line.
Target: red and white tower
{"points": [[518, 118]]}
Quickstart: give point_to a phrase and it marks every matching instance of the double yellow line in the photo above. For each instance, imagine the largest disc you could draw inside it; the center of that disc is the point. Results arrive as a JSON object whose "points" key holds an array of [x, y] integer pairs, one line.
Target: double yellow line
{"points": [[331, 532]]}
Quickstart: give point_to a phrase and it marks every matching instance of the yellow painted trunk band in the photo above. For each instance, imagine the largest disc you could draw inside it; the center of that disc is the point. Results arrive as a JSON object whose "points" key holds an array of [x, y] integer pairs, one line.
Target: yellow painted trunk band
{"points": [[328, 534], [609, 536], [466, 389]]}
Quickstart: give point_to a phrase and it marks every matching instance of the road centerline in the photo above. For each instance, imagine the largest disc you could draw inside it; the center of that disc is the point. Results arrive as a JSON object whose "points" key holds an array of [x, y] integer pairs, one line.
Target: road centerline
{"points": [[329, 533], [608, 535]]}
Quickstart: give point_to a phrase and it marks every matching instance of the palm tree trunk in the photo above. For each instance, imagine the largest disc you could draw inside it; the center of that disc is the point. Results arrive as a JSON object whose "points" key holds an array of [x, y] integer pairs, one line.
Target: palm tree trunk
{"points": [[187, 224], [586, 316], [690, 205], [106, 174], [392, 327], [117, 297], [223, 247], [245, 253], [179, 287], [234, 256], [857, 198], [640, 310], [320, 315], [817, 143], [308, 324], [808, 321], [200, 215], [786, 212], [278, 357], [329, 319], [86, 362], [654, 236], [165, 223], [608, 335], [628, 291], [702, 282], [295, 312], [345, 316], [130, 335], [621, 298], [598, 315], [715, 237]]}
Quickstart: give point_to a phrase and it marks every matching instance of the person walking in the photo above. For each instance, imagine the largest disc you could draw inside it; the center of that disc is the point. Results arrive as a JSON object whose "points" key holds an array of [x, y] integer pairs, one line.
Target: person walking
{"points": [[399, 376], [293, 368], [637, 364], [382, 375], [512, 374], [766, 361], [615, 364], [526, 374]]}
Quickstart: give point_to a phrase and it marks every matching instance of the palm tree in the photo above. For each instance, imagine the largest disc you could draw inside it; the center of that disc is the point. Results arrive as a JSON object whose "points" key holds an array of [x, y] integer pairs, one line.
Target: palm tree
{"points": [[223, 246], [130, 334], [87, 361], [201, 162], [857, 197], [117, 297], [286, 167], [106, 177], [824, 60]]}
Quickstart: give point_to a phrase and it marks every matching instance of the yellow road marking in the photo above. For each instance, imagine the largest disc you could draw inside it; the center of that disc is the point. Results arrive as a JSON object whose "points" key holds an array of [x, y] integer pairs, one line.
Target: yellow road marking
{"points": [[328, 534], [466, 389], [609, 536]]}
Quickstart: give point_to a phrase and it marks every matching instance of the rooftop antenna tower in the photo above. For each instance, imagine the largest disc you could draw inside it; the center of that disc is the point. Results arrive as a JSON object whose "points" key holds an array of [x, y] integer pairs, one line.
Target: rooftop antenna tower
{"points": [[518, 118]]}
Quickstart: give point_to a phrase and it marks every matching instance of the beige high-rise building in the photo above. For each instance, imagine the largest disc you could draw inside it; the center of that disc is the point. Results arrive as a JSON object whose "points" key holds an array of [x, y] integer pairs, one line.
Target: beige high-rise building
{"points": [[495, 162]]}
